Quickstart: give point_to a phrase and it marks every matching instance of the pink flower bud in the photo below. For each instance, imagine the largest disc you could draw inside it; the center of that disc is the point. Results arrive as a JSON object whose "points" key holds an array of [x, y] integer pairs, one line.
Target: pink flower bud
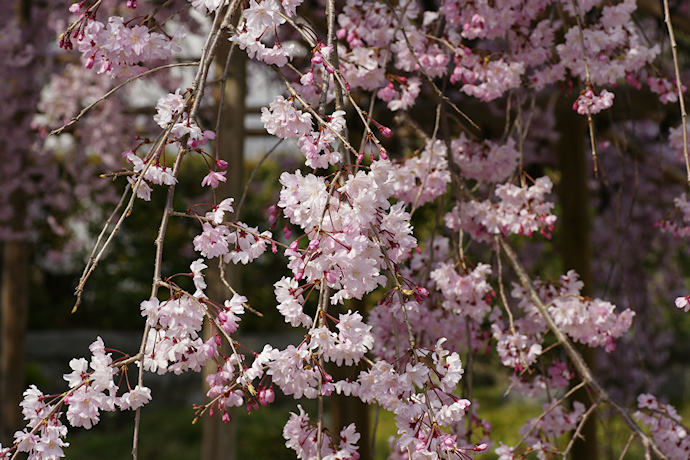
{"points": [[307, 78], [270, 395], [273, 211], [75, 8], [262, 396], [385, 131]]}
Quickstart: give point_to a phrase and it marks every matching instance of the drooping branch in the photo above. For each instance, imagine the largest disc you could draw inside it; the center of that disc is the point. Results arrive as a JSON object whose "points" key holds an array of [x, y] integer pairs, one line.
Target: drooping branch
{"points": [[575, 357]]}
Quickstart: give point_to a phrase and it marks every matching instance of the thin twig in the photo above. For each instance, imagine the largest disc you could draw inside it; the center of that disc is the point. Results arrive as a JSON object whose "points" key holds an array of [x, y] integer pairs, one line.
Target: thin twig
{"points": [[92, 258], [251, 177], [157, 269], [627, 446], [588, 84], [197, 92], [223, 84], [579, 428], [436, 89], [321, 313], [93, 261], [548, 410], [679, 85], [118, 87], [575, 356], [221, 267]]}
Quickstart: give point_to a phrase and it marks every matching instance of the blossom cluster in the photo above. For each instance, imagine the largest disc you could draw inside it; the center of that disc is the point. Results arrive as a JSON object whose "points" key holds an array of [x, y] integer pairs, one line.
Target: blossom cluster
{"points": [[259, 21], [295, 370], [520, 210], [613, 46], [153, 172], [216, 238], [353, 230], [457, 321], [665, 425], [173, 344], [465, 294], [418, 414], [118, 48], [284, 120], [539, 433], [678, 223], [352, 220], [301, 436], [421, 179], [665, 88], [485, 80], [484, 161], [589, 103], [593, 322], [91, 391]]}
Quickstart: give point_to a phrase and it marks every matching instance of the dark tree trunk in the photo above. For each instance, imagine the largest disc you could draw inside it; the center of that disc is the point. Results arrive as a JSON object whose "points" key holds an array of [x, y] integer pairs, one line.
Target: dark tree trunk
{"points": [[14, 293], [220, 439], [575, 236]]}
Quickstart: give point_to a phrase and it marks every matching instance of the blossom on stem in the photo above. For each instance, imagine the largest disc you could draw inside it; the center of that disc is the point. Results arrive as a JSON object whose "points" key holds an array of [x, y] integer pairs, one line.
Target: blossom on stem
{"points": [[590, 103]]}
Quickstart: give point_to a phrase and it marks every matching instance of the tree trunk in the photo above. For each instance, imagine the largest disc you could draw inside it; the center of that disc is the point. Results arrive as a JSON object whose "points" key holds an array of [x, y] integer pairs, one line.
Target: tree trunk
{"points": [[14, 293], [14, 300], [350, 409], [220, 439], [575, 236]]}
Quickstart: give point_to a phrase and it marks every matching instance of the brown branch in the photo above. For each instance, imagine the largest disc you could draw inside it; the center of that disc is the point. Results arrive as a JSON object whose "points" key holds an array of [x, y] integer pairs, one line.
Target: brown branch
{"points": [[679, 86], [575, 357], [112, 91]]}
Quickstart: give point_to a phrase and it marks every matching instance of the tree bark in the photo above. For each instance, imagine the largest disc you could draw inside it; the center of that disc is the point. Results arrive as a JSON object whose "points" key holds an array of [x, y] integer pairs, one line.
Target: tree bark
{"points": [[14, 292], [219, 440], [15, 305], [350, 409], [575, 236]]}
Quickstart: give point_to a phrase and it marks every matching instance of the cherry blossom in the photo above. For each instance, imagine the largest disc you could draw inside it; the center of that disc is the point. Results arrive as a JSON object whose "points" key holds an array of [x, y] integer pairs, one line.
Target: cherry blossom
{"points": [[373, 108]]}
